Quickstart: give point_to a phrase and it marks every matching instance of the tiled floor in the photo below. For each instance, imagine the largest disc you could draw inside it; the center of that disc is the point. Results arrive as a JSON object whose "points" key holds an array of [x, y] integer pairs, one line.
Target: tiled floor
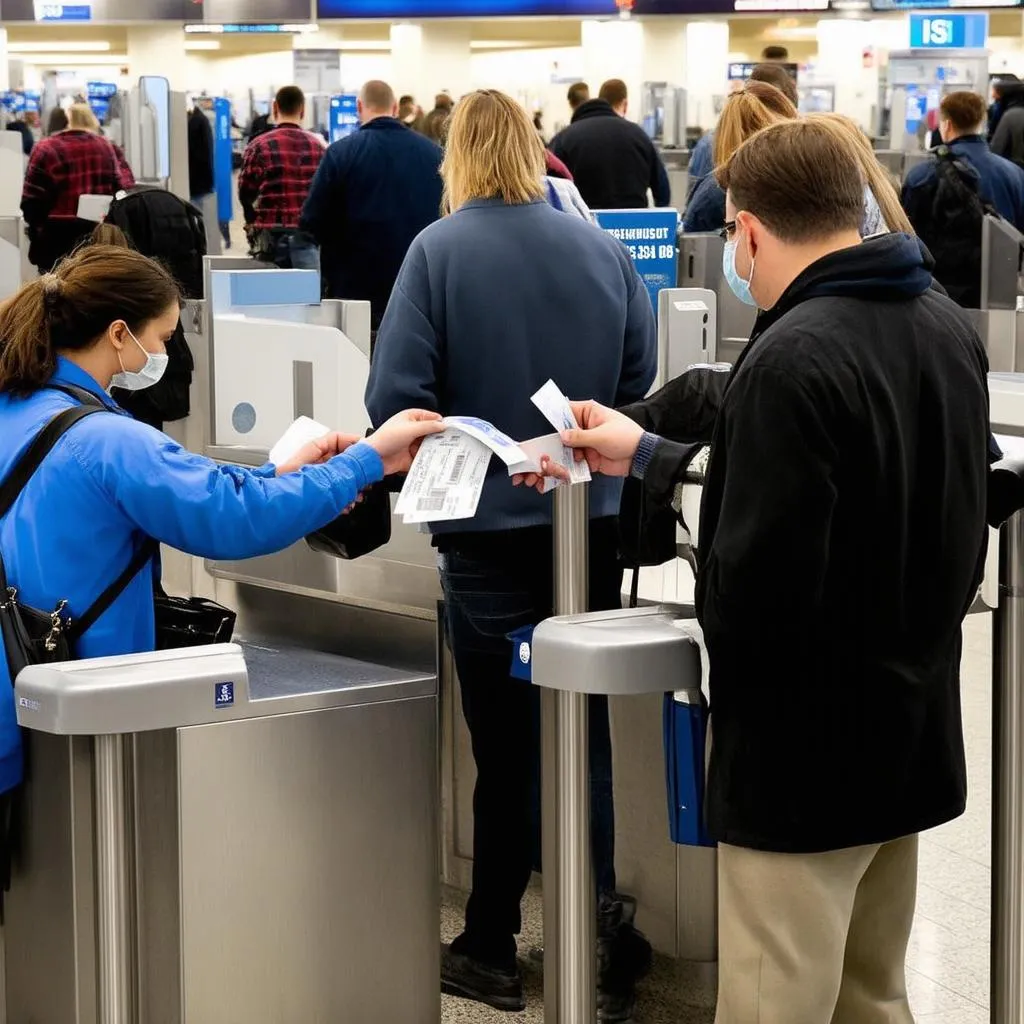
{"points": [[949, 949]]}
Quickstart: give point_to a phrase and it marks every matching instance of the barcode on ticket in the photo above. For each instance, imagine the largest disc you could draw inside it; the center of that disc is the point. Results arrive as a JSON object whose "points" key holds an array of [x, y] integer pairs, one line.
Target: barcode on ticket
{"points": [[433, 501]]}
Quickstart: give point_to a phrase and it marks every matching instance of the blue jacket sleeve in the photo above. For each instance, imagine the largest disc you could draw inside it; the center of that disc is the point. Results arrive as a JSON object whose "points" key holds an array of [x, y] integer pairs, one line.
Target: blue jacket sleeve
{"points": [[640, 350], [405, 371], [320, 211], [700, 160], [706, 209], [214, 511]]}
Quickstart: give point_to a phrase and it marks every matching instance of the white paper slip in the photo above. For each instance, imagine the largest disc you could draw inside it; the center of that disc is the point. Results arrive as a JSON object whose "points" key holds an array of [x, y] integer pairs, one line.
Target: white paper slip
{"points": [[300, 433], [555, 407], [551, 446], [445, 480], [486, 433]]}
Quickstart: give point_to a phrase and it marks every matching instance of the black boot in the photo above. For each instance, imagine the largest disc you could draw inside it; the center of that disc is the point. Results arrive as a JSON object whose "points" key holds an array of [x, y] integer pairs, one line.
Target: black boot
{"points": [[497, 987], [624, 956]]}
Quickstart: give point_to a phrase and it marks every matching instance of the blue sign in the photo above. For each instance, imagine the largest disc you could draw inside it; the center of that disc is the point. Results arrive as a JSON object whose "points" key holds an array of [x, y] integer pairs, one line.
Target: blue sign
{"points": [[650, 237], [64, 12], [344, 116], [223, 695], [222, 153], [948, 31]]}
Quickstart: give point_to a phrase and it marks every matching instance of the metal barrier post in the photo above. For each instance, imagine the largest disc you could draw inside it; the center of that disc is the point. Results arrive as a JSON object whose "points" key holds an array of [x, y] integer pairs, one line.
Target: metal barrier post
{"points": [[115, 934], [1008, 780], [569, 898]]}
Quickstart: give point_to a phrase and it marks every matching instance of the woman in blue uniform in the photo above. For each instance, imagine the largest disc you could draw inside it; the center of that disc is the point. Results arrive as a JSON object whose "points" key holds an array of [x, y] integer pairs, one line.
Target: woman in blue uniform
{"points": [[101, 319]]}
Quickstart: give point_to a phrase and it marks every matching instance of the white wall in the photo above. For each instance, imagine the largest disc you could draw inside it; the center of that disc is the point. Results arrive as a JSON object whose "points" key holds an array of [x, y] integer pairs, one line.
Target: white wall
{"points": [[527, 75]]}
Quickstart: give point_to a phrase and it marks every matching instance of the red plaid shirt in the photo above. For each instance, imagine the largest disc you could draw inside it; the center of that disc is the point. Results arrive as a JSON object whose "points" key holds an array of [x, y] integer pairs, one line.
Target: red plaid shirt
{"points": [[66, 166], [277, 171]]}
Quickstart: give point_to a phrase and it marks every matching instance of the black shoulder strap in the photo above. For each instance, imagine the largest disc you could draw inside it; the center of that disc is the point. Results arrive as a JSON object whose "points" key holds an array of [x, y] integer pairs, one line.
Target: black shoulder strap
{"points": [[38, 450], [84, 622], [16, 480]]}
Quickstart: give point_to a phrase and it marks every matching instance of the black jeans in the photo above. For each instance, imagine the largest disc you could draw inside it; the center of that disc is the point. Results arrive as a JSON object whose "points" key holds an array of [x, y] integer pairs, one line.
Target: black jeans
{"points": [[490, 591]]}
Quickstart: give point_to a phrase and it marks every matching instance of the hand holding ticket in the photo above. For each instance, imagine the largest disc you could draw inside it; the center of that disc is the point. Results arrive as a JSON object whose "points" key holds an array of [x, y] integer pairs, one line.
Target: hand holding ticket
{"points": [[447, 477]]}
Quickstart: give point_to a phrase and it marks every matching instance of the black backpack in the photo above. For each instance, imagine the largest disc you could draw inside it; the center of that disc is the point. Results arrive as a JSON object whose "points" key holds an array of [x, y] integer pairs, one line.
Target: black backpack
{"points": [[953, 231], [164, 227]]}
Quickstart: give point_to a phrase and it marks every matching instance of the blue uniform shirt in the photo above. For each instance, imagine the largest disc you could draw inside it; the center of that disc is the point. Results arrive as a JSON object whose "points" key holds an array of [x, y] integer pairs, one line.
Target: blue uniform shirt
{"points": [[109, 483]]}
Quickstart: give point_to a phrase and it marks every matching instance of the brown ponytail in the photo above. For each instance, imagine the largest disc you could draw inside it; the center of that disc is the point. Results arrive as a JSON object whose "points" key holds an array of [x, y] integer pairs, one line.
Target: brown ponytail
{"points": [[70, 308], [109, 234]]}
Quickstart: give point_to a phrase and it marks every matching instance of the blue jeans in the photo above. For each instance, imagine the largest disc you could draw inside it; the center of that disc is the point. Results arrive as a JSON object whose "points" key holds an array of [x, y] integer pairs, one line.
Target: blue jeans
{"points": [[289, 250], [487, 596]]}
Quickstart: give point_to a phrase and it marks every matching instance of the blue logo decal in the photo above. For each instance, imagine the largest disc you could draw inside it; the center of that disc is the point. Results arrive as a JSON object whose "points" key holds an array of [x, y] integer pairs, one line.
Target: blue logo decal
{"points": [[224, 695]]}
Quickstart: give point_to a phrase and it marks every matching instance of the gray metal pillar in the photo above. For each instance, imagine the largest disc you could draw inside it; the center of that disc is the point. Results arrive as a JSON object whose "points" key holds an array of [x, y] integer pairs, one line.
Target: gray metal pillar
{"points": [[115, 934], [1008, 780], [569, 900]]}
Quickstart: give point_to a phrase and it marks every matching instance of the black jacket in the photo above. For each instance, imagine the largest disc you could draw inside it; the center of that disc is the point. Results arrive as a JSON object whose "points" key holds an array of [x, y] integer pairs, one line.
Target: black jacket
{"points": [[200, 154], [1007, 132], [612, 160], [842, 541]]}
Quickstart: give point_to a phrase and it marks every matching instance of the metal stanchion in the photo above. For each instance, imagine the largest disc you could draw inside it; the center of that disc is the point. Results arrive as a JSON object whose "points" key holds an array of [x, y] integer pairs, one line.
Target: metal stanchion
{"points": [[569, 900], [114, 932]]}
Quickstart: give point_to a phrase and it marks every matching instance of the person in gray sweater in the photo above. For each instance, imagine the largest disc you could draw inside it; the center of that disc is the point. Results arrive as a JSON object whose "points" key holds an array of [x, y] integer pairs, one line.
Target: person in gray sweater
{"points": [[492, 301]]}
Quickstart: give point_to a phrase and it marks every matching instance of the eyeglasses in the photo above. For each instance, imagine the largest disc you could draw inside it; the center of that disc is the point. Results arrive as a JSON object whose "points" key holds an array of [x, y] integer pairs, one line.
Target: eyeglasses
{"points": [[727, 230]]}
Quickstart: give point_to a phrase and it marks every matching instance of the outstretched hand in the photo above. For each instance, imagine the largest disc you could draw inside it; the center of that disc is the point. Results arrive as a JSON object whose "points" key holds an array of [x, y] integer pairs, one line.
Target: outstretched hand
{"points": [[323, 449], [398, 440]]}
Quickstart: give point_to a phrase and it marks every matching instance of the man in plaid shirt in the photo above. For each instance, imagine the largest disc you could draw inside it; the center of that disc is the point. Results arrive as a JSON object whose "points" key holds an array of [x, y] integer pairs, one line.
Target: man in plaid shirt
{"points": [[277, 171], [75, 162]]}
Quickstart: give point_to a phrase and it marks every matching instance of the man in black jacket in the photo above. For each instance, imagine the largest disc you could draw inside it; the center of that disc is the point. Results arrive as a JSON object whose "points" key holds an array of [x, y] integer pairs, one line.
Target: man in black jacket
{"points": [[612, 160], [842, 540]]}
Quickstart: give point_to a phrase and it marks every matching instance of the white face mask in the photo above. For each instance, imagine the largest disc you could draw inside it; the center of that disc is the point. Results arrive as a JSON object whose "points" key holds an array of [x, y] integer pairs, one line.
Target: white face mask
{"points": [[149, 375]]}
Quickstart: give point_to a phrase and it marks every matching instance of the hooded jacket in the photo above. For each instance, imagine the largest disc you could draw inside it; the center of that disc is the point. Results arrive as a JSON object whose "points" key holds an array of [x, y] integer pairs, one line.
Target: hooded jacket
{"points": [[842, 541]]}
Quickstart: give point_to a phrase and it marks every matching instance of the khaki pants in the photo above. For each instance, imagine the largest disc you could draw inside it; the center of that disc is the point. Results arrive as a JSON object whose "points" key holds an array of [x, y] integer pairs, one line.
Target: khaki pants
{"points": [[815, 938]]}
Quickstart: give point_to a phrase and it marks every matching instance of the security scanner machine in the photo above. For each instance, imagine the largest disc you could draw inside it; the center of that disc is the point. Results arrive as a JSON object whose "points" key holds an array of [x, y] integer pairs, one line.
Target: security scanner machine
{"points": [[15, 268], [700, 266], [664, 120], [916, 81], [154, 135], [226, 834], [1000, 320]]}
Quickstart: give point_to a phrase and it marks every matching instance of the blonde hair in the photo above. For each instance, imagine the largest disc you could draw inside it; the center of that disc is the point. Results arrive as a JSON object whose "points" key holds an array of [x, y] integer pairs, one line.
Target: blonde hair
{"points": [[82, 119], [492, 152], [746, 112], [874, 174]]}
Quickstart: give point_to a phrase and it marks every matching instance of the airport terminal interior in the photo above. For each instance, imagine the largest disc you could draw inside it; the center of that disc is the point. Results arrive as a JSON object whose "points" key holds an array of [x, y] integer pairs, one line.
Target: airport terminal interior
{"points": [[280, 831]]}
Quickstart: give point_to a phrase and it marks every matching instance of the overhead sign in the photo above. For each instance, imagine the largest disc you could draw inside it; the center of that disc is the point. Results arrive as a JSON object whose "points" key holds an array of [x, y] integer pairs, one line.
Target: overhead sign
{"points": [[317, 70], [948, 31], [650, 237], [63, 12]]}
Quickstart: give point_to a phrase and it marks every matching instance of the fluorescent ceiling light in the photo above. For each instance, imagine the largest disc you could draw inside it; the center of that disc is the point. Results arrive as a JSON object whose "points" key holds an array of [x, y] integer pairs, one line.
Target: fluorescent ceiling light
{"points": [[202, 44], [47, 46], [378, 45], [506, 44], [62, 60]]}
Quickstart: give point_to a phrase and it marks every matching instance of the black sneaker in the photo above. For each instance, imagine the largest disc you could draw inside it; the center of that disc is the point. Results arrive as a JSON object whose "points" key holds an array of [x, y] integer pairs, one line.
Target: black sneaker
{"points": [[467, 978], [615, 1007]]}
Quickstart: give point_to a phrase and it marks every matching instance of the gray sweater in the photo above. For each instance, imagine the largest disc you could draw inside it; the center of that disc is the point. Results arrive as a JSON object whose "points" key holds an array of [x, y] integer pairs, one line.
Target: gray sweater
{"points": [[490, 303]]}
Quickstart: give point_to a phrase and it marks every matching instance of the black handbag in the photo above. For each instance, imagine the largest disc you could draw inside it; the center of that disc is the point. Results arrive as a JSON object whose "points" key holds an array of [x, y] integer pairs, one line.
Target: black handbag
{"points": [[364, 528]]}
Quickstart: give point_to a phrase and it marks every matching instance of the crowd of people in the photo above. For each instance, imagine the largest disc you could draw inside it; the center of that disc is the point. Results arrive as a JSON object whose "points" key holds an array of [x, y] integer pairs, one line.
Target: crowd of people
{"points": [[843, 530]]}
